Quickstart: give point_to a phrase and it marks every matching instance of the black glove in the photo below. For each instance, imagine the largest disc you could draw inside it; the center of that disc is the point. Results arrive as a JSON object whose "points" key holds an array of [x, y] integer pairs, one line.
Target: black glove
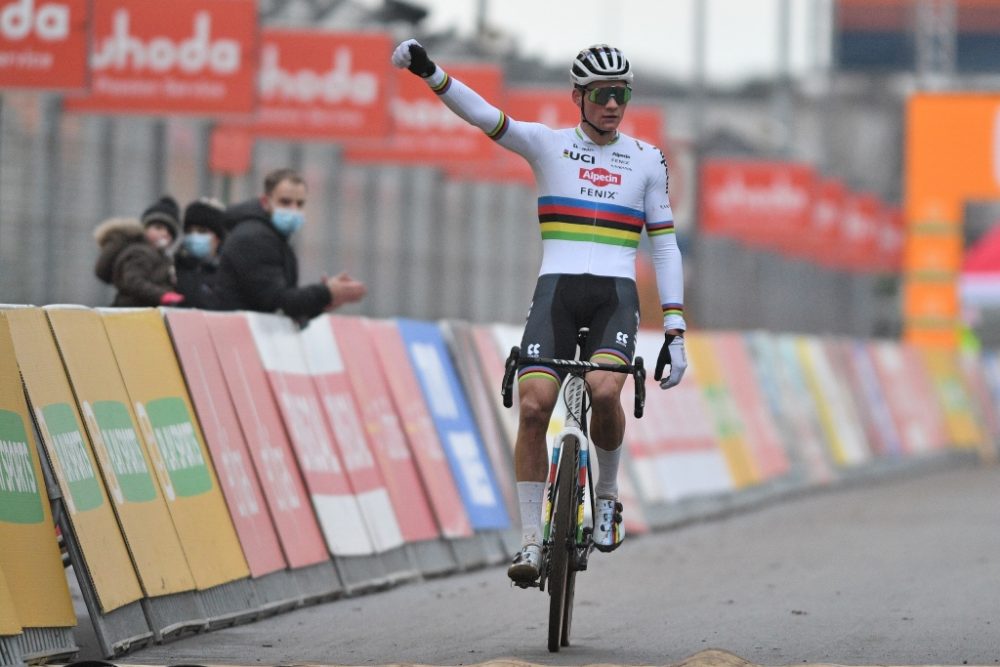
{"points": [[420, 64], [671, 353]]}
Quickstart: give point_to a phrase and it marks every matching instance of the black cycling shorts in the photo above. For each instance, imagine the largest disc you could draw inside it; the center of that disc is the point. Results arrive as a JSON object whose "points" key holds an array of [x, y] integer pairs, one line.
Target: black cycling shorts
{"points": [[564, 303]]}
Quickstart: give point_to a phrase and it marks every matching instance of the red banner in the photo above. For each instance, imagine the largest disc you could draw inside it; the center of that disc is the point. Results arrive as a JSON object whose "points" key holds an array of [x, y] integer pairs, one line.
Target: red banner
{"points": [[225, 441], [43, 43], [183, 56], [428, 132], [385, 432], [824, 221], [761, 203], [428, 454], [323, 85], [862, 217]]}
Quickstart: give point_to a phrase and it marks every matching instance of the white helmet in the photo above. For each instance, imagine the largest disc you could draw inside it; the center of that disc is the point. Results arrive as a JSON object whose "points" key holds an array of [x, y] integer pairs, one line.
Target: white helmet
{"points": [[600, 62]]}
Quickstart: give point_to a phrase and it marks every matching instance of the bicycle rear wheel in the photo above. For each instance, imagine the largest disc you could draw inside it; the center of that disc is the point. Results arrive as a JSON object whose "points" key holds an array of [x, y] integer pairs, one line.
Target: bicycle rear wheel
{"points": [[561, 579]]}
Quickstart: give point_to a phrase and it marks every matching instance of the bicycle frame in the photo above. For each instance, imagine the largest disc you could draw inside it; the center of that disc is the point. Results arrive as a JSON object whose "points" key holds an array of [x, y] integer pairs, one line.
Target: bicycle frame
{"points": [[574, 395]]}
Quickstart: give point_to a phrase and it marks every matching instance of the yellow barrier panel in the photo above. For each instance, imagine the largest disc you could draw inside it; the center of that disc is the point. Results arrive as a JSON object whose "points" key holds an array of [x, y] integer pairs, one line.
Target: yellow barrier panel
{"points": [[9, 625], [122, 458], [729, 428], [174, 441], [964, 429], [73, 463], [29, 555]]}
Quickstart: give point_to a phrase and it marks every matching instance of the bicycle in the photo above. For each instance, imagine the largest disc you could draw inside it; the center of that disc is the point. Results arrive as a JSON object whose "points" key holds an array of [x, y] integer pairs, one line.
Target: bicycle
{"points": [[566, 541]]}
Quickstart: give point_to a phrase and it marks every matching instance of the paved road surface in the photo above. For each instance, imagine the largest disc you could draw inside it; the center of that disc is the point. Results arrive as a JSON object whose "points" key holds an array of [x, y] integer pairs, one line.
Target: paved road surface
{"points": [[904, 572]]}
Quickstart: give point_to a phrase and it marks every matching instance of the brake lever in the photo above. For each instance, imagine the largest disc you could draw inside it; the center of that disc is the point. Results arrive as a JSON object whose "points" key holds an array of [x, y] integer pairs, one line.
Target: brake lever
{"points": [[510, 370], [639, 374]]}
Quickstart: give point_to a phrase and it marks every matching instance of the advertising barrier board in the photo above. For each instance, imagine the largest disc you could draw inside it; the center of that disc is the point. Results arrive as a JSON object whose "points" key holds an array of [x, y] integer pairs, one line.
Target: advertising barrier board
{"points": [[444, 396], [71, 456], [269, 448], [30, 557], [125, 465], [173, 439]]}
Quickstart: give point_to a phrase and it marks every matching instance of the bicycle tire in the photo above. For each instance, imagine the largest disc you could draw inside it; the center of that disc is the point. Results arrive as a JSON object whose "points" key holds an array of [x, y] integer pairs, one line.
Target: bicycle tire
{"points": [[568, 605], [562, 543]]}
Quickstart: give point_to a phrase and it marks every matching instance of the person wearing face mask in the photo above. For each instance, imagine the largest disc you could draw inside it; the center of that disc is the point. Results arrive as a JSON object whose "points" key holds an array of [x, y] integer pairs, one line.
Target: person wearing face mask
{"points": [[258, 269], [135, 256], [197, 260]]}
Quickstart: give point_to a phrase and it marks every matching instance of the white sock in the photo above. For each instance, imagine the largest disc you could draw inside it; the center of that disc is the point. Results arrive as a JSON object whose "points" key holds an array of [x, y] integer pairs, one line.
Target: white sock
{"points": [[607, 475], [531, 495]]}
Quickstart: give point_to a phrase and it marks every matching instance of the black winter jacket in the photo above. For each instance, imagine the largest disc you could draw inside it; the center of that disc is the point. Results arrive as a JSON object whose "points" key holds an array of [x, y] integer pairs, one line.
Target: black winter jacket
{"points": [[258, 270], [196, 280], [141, 273]]}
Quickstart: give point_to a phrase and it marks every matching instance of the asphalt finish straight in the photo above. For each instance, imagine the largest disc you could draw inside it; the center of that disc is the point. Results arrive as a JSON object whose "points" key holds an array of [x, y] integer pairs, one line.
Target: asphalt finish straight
{"points": [[899, 571]]}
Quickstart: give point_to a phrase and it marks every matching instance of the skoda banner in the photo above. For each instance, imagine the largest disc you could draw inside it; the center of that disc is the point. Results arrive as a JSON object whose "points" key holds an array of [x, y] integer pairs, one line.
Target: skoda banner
{"points": [[43, 43], [182, 56]]}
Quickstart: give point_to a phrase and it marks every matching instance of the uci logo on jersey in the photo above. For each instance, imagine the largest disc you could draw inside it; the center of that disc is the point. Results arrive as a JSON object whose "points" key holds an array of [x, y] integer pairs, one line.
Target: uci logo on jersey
{"points": [[582, 157]]}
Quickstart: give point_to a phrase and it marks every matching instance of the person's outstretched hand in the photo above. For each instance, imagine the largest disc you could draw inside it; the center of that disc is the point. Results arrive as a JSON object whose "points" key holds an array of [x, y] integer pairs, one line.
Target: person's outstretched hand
{"points": [[344, 289], [411, 55]]}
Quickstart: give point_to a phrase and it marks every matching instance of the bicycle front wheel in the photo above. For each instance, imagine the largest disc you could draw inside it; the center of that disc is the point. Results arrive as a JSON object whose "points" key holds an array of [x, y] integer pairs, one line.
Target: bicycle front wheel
{"points": [[563, 543]]}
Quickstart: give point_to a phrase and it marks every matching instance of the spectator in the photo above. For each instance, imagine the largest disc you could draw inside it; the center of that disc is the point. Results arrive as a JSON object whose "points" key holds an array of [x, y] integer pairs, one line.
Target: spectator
{"points": [[197, 260], [134, 256], [258, 269]]}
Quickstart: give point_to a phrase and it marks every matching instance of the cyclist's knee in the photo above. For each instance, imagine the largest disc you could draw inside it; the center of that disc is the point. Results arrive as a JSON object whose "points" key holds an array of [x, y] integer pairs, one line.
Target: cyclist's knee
{"points": [[605, 395], [535, 409]]}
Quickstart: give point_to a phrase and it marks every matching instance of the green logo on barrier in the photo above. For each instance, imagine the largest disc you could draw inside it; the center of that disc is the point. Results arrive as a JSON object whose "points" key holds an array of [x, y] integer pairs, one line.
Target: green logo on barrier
{"points": [[179, 446], [124, 450], [20, 492], [74, 464]]}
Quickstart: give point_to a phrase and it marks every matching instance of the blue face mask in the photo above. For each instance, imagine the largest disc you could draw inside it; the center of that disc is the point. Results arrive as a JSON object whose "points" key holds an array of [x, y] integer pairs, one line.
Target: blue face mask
{"points": [[198, 244], [287, 220]]}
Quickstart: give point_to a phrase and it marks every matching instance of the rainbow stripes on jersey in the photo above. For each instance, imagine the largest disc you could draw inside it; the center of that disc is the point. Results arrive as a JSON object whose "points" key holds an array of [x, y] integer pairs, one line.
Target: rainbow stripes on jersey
{"points": [[673, 309], [570, 219], [500, 129], [609, 355], [660, 228], [542, 372], [442, 87]]}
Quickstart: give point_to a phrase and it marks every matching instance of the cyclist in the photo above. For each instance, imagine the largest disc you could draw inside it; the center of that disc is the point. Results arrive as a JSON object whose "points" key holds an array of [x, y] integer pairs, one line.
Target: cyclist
{"points": [[597, 189]]}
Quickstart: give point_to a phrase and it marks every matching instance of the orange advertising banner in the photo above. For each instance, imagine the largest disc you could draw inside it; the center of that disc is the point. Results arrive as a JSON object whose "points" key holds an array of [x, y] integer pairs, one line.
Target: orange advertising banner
{"points": [[952, 154], [759, 202], [43, 44], [428, 132], [324, 85], [183, 56]]}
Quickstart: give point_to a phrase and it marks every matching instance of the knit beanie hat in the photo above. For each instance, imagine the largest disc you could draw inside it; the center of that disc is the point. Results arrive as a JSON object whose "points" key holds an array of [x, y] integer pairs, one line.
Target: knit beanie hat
{"points": [[206, 212], [165, 211]]}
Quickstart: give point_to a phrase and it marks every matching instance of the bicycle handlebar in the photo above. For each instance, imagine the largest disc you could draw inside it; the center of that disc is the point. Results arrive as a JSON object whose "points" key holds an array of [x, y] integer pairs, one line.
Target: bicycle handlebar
{"points": [[576, 366]]}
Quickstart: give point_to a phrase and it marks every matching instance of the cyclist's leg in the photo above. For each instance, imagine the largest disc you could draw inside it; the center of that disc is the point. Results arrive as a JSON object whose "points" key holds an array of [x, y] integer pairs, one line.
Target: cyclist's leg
{"points": [[538, 389], [613, 330]]}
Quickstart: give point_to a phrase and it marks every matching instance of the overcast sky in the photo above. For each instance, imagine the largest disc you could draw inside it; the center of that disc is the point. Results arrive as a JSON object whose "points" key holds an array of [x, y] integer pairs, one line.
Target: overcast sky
{"points": [[654, 34]]}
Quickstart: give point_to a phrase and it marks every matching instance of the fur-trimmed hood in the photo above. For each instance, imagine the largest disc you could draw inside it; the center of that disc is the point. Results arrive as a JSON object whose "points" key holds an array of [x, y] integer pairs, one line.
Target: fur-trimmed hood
{"points": [[113, 235]]}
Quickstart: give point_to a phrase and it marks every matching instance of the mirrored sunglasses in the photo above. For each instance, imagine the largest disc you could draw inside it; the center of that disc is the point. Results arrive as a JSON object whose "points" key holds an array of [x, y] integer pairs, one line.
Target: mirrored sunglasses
{"points": [[602, 96]]}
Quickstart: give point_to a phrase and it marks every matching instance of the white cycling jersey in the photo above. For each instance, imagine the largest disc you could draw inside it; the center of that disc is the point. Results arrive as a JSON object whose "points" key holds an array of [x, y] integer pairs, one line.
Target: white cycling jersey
{"points": [[593, 200]]}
